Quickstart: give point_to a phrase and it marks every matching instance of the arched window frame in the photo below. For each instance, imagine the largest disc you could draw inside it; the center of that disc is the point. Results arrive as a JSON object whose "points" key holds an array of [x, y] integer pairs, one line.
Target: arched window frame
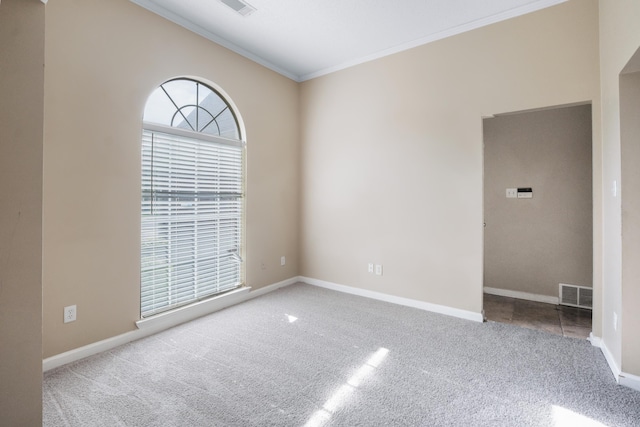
{"points": [[192, 209]]}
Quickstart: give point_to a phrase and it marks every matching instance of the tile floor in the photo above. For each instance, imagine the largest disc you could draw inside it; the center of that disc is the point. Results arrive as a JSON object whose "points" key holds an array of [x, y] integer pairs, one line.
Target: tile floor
{"points": [[557, 319]]}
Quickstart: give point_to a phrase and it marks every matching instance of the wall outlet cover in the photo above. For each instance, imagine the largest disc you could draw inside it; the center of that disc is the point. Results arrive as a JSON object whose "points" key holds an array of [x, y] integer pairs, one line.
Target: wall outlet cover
{"points": [[69, 314]]}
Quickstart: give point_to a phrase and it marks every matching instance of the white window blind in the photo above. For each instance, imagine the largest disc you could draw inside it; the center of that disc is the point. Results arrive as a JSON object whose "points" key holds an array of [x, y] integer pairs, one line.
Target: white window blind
{"points": [[192, 201]]}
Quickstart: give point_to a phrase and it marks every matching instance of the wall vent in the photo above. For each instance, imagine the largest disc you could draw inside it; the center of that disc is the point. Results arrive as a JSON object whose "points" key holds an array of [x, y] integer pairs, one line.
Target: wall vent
{"points": [[576, 296], [240, 6]]}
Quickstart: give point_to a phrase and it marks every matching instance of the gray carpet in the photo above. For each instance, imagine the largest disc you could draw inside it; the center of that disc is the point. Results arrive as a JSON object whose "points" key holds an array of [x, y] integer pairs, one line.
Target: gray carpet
{"points": [[307, 356]]}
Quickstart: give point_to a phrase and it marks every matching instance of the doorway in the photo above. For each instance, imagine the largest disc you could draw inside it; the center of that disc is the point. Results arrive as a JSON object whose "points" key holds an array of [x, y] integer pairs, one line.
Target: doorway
{"points": [[538, 211]]}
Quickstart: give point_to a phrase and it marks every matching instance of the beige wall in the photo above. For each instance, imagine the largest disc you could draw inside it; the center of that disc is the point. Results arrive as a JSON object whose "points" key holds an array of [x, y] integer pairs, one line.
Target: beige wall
{"points": [[532, 245], [392, 150], [21, 117], [630, 149], [103, 59], [619, 40]]}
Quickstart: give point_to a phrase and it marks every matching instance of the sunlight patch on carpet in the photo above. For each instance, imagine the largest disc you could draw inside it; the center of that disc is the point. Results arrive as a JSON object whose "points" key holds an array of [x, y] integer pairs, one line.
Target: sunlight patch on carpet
{"points": [[340, 397], [563, 417], [291, 318]]}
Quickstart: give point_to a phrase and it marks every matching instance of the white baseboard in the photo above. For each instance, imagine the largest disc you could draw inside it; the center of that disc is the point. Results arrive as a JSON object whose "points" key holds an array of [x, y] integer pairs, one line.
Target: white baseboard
{"points": [[522, 295], [594, 340], [270, 288], [622, 378], [93, 348], [629, 380], [436, 308], [615, 370], [153, 325]]}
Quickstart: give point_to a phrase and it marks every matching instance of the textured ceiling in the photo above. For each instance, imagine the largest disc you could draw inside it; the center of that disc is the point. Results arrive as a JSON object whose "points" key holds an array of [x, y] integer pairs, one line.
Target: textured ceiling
{"points": [[303, 39]]}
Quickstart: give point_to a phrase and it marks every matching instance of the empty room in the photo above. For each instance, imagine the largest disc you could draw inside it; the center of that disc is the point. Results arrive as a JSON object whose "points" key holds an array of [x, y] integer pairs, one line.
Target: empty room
{"points": [[220, 212]]}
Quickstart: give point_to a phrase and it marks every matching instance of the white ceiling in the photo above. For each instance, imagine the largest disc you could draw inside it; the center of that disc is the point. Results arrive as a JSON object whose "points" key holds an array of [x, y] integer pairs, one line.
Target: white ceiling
{"points": [[303, 39]]}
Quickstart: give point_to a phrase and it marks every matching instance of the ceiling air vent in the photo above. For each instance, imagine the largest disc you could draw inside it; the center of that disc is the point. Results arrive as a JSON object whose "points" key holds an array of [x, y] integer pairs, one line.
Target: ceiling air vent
{"points": [[576, 296], [242, 7]]}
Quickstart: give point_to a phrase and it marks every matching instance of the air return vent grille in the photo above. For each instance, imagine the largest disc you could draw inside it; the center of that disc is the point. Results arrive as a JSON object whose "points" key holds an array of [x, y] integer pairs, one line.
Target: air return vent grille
{"points": [[576, 296], [242, 7]]}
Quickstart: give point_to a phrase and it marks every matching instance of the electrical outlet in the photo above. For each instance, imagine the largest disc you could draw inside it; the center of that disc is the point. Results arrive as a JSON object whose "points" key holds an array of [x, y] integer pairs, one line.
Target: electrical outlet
{"points": [[370, 267], [378, 269], [283, 260], [512, 193], [69, 314]]}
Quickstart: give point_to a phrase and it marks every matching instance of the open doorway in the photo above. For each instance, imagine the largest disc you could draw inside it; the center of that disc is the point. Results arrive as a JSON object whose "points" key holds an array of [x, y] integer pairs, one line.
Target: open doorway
{"points": [[538, 210]]}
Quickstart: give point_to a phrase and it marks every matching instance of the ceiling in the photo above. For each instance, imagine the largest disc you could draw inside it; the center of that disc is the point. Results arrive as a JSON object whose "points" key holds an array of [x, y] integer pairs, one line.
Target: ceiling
{"points": [[303, 39]]}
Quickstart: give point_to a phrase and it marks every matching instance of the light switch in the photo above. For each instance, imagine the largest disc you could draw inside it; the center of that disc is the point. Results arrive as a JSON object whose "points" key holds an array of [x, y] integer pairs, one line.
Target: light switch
{"points": [[378, 269]]}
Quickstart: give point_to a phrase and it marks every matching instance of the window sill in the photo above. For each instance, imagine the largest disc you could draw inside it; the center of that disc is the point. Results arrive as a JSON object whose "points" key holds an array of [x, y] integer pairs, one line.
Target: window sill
{"points": [[193, 311]]}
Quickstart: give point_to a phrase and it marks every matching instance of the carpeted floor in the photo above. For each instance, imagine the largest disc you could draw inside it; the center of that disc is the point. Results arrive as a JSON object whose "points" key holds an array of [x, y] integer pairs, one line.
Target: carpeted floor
{"points": [[307, 356]]}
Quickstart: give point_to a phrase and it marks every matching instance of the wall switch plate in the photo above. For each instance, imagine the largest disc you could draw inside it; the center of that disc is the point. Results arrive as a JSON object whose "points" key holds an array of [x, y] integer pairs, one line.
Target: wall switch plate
{"points": [[512, 193], [69, 314], [370, 267], [615, 321], [378, 269], [525, 193], [283, 260]]}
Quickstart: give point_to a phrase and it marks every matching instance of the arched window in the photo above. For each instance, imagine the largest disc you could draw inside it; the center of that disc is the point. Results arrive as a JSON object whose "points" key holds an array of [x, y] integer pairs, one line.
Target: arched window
{"points": [[192, 196]]}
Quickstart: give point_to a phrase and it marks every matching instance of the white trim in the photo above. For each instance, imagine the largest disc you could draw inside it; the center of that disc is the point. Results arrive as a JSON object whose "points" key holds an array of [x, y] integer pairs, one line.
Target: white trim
{"points": [[91, 349], [148, 327], [610, 360], [629, 380], [166, 14], [220, 140], [435, 308], [622, 378], [513, 13], [594, 340], [270, 288], [193, 311], [522, 295]]}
